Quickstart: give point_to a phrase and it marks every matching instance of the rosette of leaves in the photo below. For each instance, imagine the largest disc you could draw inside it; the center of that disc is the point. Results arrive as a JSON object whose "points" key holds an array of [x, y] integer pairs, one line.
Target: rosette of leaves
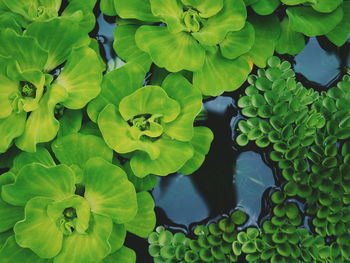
{"points": [[307, 17], [209, 38], [22, 13], [75, 211], [151, 125], [43, 74], [212, 243]]}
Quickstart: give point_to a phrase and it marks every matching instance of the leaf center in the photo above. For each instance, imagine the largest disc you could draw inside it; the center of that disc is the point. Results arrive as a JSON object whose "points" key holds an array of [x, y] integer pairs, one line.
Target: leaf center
{"points": [[27, 89], [192, 20]]}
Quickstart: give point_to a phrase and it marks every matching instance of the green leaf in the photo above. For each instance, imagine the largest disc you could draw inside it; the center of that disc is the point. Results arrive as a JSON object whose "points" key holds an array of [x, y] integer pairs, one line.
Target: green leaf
{"points": [[207, 8], [170, 12], [110, 123], [290, 41], [217, 76], [41, 156], [9, 215], [10, 128], [231, 18], [91, 247], [47, 241], [35, 179], [41, 125], [311, 23], [70, 122], [145, 220], [77, 149], [149, 100], [81, 78], [125, 46], [125, 255], [135, 9], [238, 43], [173, 51], [201, 142], [190, 101], [108, 7], [341, 32], [116, 85], [25, 50], [117, 238], [63, 38], [12, 252], [325, 6], [267, 31], [109, 191], [7, 88], [141, 184], [173, 155], [265, 7]]}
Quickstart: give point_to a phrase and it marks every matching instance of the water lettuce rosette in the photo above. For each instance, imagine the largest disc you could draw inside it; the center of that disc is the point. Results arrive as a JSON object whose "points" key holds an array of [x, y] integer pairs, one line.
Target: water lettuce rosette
{"points": [[77, 211], [209, 38], [25, 12], [42, 74], [151, 125]]}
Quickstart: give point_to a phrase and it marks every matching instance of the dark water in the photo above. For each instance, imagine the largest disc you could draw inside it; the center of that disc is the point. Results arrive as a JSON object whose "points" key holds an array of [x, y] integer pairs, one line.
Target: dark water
{"points": [[231, 176]]}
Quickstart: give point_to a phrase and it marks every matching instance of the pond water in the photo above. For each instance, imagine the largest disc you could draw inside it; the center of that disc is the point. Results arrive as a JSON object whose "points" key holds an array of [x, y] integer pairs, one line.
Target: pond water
{"points": [[231, 176]]}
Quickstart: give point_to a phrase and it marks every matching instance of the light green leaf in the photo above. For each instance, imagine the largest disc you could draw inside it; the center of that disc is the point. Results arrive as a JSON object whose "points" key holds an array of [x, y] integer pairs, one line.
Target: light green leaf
{"points": [[220, 74], [340, 34], [70, 122], [47, 240], [267, 31], [265, 7], [207, 8], [311, 23], [41, 156], [135, 9], [173, 51], [190, 100], [145, 220], [109, 191], [201, 142], [111, 123], [141, 184], [9, 215], [63, 38], [90, 247], [12, 252], [11, 20], [77, 149], [41, 125], [325, 6], [125, 46], [35, 179], [81, 13], [117, 238], [239, 42], [170, 12], [125, 255], [290, 41], [295, 2], [173, 155], [7, 88], [108, 7], [25, 50], [10, 128], [116, 85], [81, 78], [231, 18], [149, 100]]}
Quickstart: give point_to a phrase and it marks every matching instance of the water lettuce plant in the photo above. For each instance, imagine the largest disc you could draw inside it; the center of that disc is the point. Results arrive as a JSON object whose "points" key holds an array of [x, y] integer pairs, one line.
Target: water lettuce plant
{"points": [[41, 75], [76, 211], [151, 125]]}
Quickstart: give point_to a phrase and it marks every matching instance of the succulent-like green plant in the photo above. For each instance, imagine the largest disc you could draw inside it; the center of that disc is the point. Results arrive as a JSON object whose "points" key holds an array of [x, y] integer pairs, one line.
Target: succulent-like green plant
{"points": [[77, 211], [213, 243], [151, 125], [35, 85]]}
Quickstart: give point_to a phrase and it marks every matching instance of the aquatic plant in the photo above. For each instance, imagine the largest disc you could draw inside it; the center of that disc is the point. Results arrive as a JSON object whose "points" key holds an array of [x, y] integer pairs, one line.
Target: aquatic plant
{"points": [[151, 125], [33, 81], [79, 210]]}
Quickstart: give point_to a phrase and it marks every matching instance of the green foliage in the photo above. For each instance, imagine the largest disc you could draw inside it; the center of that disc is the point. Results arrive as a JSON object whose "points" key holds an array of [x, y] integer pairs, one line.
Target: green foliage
{"points": [[79, 209]]}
